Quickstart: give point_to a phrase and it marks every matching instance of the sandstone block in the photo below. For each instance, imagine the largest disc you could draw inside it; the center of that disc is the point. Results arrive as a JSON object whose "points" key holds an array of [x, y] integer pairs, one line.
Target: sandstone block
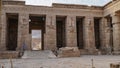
{"points": [[8, 54], [69, 52], [115, 65]]}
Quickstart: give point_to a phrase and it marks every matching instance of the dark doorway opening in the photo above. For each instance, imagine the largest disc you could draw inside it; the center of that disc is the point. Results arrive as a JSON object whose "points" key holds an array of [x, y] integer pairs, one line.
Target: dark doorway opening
{"points": [[12, 31], [97, 32], [60, 27], [37, 30], [79, 25], [111, 34]]}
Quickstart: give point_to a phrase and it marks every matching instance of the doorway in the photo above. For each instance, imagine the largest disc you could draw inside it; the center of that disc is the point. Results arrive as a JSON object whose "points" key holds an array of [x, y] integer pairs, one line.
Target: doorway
{"points": [[60, 27], [79, 25], [12, 31], [97, 32], [36, 40], [37, 31]]}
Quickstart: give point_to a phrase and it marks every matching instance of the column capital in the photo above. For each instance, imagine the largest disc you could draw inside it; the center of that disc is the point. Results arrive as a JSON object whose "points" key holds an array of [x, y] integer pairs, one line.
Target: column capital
{"points": [[115, 19], [115, 14], [50, 22], [23, 18]]}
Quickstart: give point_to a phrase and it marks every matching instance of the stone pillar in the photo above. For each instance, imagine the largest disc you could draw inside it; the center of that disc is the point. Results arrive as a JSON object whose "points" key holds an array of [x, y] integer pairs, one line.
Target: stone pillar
{"points": [[71, 35], [108, 33], [102, 33], [116, 33], [3, 32], [23, 31], [89, 35], [50, 33], [115, 65], [0, 30]]}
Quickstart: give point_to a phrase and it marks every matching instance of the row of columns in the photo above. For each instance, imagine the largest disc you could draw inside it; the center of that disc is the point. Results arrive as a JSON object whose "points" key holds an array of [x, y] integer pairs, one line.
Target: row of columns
{"points": [[50, 34], [71, 34], [111, 35]]}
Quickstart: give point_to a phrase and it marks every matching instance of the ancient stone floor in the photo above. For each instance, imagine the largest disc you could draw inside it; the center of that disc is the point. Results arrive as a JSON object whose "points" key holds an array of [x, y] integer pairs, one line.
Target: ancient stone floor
{"points": [[100, 61]]}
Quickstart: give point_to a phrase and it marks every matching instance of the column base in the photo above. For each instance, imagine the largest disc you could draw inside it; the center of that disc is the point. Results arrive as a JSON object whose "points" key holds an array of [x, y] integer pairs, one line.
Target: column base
{"points": [[9, 54], [94, 52], [68, 52], [116, 53]]}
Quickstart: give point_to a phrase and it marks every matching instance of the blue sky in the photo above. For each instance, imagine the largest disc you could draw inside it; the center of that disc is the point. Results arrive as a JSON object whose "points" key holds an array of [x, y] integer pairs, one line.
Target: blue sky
{"points": [[83, 2]]}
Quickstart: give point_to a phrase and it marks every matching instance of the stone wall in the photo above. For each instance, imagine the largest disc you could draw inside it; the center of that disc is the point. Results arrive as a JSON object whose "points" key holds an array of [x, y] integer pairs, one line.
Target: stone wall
{"points": [[9, 54], [50, 25], [70, 12], [7, 2]]}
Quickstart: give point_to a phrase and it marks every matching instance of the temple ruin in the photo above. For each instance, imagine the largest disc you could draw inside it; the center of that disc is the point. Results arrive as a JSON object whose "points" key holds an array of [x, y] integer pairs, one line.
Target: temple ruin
{"points": [[92, 29]]}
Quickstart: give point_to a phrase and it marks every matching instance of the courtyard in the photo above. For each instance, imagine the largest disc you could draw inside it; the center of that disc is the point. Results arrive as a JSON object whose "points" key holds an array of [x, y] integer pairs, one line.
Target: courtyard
{"points": [[59, 36], [84, 61]]}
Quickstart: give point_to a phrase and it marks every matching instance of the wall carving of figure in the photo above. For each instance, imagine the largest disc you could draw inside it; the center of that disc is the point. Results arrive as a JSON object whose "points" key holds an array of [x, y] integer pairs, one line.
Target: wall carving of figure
{"points": [[50, 23], [72, 25]]}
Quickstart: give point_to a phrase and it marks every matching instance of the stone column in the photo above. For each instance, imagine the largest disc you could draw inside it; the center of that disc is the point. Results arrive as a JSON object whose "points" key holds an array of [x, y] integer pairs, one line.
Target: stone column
{"points": [[0, 30], [3, 32], [23, 31], [89, 35], [108, 33], [116, 33], [102, 33], [71, 35], [50, 33]]}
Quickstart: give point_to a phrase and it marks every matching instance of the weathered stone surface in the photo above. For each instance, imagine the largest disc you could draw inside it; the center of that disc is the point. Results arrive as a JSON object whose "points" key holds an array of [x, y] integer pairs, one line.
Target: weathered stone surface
{"points": [[8, 54], [115, 65], [116, 33], [23, 31], [38, 54], [89, 33], [50, 35], [68, 52], [71, 40], [3, 32], [108, 43], [84, 52]]}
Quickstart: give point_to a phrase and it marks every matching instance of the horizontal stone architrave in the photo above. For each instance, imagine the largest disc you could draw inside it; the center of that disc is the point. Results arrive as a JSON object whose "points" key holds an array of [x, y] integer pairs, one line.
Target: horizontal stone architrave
{"points": [[51, 10], [116, 23]]}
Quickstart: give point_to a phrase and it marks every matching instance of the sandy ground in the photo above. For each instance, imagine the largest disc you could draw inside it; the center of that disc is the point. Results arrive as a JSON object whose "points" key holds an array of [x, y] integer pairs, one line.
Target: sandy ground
{"points": [[46, 59], [100, 61]]}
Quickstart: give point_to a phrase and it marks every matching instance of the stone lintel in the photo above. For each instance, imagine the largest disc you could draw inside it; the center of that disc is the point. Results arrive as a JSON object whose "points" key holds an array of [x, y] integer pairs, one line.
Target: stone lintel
{"points": [[8, 2], [73, 6]]}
